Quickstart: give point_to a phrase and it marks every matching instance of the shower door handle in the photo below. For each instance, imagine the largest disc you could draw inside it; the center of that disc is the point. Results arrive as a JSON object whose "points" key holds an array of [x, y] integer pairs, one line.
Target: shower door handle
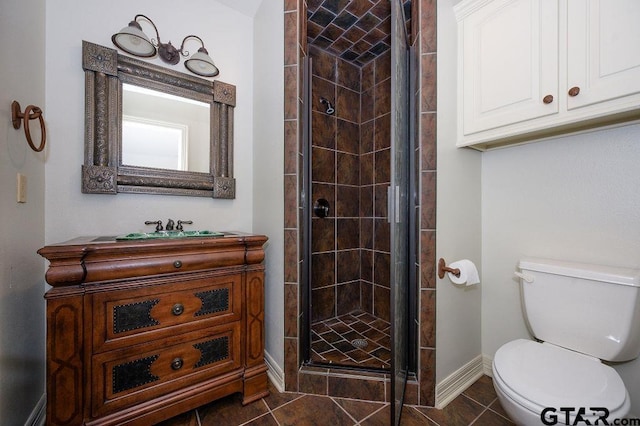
{"points": [[397, 204], [393, 204], [389, 204]]}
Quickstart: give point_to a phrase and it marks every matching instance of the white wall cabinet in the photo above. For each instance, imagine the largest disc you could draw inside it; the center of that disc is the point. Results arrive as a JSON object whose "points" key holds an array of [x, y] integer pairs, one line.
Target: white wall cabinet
{"points": [[530, 69]]}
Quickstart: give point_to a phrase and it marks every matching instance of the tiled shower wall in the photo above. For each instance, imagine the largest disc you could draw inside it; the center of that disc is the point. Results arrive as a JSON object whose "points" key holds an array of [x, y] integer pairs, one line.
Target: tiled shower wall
{"points": [[327, 381], [335, 176], [351, 169], [375, 166]]}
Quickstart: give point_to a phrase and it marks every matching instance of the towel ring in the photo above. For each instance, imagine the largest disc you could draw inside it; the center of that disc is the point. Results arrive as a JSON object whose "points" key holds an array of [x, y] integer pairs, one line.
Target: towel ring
{"points": [[31, 112]]}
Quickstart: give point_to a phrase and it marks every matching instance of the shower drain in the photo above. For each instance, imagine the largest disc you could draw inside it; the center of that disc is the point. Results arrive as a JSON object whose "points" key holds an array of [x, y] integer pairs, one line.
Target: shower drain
{"points": [[359, 343]]}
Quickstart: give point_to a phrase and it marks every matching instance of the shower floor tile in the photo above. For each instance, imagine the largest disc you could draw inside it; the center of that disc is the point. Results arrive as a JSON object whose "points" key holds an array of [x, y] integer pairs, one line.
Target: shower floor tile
{"points": [[333, 341]]}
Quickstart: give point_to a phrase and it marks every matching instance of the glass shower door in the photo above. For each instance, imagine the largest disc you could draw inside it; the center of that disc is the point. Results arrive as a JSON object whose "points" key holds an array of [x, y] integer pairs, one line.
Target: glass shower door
{"points": [[399, 208]]}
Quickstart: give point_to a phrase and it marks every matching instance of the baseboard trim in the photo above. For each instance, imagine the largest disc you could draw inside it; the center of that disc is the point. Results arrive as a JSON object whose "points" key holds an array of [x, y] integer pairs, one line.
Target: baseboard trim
{"points": [[274, 372], [487, 365], [449, 388], [38, 414]]}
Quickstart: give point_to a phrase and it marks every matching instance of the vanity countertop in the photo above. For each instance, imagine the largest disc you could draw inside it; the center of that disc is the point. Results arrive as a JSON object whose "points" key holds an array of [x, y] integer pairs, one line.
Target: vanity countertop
{"points": [[91, 259]]}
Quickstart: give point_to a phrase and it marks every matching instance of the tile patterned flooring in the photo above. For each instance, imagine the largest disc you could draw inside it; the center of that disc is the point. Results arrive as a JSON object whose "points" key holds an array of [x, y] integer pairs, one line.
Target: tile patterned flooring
{"points": [[477, 406], [331, 341]]}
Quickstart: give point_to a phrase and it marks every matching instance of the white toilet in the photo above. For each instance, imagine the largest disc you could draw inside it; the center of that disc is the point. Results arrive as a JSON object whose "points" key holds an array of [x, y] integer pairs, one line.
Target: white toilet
{"points": [[581, 314]]}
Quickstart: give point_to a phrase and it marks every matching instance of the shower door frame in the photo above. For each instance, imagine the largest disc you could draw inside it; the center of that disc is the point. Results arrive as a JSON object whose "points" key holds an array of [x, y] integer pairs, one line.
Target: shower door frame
{"points": [[400, 210], [421, 389], [304, 317], [306, 212]]}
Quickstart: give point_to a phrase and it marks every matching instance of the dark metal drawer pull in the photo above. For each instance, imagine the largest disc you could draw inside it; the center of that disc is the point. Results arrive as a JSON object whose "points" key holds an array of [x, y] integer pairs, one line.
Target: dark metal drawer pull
{"points": [[177, 264], [176, 364], [177, 309]]}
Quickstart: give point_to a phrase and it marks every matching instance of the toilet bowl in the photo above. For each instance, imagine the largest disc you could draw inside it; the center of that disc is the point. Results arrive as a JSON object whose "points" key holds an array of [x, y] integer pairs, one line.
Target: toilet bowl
{"points": [[530, 377], [580, 314]]}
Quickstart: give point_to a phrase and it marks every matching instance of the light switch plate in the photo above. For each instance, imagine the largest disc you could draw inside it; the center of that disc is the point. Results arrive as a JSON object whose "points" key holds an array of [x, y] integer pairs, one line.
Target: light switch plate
{"points": [[21, 188]]}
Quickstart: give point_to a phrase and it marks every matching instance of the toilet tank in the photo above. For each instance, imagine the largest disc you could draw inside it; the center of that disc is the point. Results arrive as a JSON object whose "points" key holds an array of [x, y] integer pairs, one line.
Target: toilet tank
{"points": [[591, 309]]}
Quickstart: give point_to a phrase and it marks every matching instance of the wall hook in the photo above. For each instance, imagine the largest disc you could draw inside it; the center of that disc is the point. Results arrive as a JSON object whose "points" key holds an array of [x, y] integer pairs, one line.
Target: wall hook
{"points": [[31, 112], [443, 268]]}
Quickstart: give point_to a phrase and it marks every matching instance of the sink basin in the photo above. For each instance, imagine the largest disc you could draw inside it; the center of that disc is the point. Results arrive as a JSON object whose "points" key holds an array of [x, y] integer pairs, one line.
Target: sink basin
{"points": [[168, 234]]}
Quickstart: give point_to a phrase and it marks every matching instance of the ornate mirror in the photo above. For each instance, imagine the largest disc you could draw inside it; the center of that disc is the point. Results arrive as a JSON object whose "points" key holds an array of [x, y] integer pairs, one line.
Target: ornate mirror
{"points": [[154, 130]]}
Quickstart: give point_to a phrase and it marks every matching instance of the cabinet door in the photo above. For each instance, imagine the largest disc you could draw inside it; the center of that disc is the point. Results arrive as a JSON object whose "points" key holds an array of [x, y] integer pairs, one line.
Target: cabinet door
{"points": [[509, 63], [603, 50]]}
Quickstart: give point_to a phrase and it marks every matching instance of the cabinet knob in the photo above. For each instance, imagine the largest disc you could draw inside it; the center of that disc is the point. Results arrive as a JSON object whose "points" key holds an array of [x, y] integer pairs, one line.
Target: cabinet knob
{"points": [[176, 364], [574, 91], [177, 309], [547, 99], [177, 264]]}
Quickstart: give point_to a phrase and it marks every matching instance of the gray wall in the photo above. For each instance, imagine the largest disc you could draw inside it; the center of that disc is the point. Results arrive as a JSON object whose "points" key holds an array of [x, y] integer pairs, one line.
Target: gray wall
{"points": [[54, 80], [458, 313], [228, 36], [572, 198], [268, 160], [22, 286]]}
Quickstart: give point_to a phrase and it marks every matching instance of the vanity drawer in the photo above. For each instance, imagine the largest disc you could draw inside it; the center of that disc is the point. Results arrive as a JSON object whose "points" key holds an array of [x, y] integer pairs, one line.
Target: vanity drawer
{"points": [[161, 308], [123, 377]]}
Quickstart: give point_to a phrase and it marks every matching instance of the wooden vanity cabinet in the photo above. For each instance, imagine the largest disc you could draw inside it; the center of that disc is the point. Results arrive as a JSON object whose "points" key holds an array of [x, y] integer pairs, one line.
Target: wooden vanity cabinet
{"points": [[141, 331]]}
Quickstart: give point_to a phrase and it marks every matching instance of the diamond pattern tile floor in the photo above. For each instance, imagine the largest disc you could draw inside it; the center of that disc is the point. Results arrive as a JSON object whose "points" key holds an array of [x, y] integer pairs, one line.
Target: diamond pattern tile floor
{"points": [[332, 341], [478, 405]]}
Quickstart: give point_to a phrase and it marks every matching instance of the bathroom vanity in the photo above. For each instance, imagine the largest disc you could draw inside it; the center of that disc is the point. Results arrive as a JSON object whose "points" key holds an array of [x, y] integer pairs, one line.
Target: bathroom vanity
{"points": [[140, 331]]}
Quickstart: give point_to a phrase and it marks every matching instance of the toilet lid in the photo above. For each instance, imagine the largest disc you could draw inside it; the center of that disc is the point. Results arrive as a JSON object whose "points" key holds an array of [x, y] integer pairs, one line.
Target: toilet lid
{"points": [[550, 376]]}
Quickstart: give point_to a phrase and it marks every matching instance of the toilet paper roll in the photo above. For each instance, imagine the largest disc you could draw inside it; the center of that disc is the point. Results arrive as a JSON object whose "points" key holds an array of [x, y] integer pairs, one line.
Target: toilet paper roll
{"points": [[468, 272]]}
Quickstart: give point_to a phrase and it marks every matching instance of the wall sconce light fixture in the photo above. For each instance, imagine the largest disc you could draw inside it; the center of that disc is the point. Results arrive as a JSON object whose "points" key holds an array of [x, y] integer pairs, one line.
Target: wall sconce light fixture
{"points": [[133, 40]]}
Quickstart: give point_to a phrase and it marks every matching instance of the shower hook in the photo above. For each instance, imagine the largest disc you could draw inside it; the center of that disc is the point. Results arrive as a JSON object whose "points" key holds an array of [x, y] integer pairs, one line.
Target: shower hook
{"points": [[330, 109]]}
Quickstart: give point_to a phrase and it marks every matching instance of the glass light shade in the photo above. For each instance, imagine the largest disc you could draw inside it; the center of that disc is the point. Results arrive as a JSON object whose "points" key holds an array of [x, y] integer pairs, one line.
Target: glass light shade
{"points": [[201, 63], [132, 40]]}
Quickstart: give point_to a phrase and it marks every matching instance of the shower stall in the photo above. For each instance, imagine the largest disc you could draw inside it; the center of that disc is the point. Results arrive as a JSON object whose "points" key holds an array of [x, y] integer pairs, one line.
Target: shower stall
{"points": [[358, 286]]}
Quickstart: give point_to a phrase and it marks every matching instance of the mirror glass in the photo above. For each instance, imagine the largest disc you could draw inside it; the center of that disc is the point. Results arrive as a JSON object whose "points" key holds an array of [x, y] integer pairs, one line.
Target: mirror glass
{"points": [[164, 131]]}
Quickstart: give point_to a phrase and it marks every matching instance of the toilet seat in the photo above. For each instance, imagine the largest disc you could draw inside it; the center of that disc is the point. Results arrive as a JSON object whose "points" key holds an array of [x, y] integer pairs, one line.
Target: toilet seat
{"points": [[538, 375]]}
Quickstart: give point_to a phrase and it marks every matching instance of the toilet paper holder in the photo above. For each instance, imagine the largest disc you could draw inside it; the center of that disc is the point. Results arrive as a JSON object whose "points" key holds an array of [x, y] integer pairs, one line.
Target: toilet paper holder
{"points": [[443, 269]]}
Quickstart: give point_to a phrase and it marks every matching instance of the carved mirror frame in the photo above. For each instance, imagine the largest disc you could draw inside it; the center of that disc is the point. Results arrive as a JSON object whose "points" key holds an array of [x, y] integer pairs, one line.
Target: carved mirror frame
{"points": [[103, 173]]}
